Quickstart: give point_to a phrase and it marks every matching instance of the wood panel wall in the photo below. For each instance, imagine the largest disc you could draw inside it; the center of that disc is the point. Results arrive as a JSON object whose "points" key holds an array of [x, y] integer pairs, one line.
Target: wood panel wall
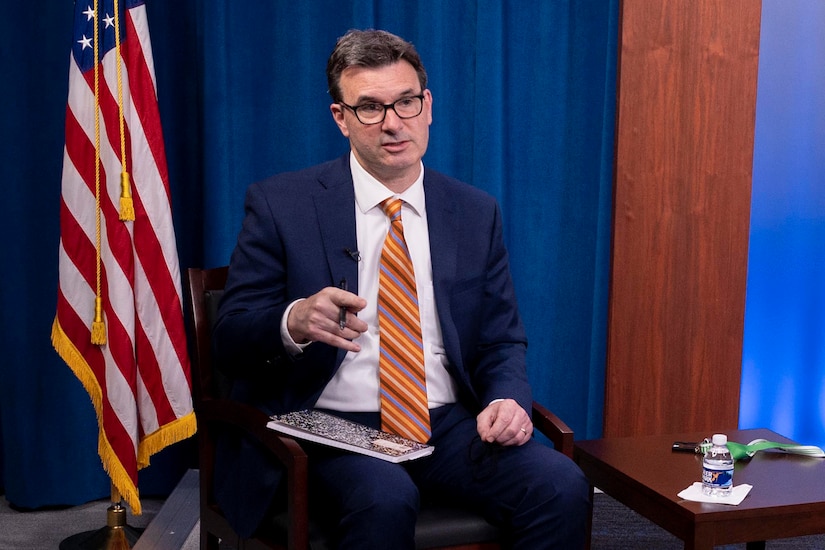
{"points": [[684, 152]]}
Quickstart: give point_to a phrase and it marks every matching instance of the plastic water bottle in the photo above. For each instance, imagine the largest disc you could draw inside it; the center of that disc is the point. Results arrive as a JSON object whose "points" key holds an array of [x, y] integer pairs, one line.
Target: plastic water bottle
{"points": [[717, 468]]}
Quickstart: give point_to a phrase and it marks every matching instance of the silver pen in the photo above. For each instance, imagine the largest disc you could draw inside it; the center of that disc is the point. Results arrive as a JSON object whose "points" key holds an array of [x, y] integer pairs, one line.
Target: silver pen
{"points": [[342, 313]]}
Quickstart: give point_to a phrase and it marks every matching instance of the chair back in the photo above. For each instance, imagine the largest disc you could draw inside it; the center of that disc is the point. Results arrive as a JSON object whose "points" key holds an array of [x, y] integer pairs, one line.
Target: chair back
{"points": [[205, 289]]}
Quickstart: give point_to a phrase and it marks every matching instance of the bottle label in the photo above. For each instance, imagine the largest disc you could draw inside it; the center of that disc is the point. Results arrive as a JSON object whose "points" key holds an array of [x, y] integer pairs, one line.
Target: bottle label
{"points": [[718, 478]]}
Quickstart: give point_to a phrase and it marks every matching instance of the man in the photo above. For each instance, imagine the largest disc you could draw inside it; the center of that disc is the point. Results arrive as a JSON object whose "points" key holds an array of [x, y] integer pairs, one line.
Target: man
{"points": [[293, 338]]}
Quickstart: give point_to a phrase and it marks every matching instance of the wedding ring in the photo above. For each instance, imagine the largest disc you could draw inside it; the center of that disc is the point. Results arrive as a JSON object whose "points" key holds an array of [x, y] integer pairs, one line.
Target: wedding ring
{"points": [[525, 431]]}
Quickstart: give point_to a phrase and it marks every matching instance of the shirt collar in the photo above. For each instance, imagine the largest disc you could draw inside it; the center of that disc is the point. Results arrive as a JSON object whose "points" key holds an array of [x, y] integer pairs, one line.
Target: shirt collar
{"points": [[369, 192]]}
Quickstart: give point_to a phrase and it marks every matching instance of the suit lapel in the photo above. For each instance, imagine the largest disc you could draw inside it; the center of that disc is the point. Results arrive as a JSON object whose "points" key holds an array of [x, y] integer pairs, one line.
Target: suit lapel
{"points": [[442, 222], [335, 211]]}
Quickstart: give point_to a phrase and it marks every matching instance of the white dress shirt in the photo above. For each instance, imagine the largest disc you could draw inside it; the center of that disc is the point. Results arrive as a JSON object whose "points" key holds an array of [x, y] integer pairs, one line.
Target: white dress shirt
{"points": [[355, 386]]}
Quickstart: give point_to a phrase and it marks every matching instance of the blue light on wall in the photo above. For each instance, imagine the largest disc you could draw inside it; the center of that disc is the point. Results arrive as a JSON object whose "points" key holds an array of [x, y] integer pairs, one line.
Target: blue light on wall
{"points": [[783, 370]]}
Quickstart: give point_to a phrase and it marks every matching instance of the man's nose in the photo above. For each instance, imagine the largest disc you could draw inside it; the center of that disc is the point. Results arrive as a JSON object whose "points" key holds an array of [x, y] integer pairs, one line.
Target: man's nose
{"points": [[391, 119]]}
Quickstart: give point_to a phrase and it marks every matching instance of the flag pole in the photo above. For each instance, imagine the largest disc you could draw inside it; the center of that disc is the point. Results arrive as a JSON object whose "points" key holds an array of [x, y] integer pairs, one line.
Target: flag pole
{"points": [[116, 535]]}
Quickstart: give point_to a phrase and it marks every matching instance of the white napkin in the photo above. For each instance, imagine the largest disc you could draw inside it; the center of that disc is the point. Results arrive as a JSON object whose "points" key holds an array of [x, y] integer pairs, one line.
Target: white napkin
{"points": [[737, 494]]}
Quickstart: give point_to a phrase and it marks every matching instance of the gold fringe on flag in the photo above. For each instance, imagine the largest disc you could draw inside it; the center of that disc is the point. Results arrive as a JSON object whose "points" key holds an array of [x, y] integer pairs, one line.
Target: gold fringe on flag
{"points": [[178, 430], [111, 464]]}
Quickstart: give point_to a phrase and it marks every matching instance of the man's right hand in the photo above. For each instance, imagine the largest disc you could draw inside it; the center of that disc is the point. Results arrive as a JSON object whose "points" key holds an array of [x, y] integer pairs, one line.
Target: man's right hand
{"points": [[316, 319]]}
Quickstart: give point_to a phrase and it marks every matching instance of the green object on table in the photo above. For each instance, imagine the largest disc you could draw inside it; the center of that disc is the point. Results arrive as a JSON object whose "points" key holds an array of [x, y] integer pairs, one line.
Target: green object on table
{"points": [[741, 452]]}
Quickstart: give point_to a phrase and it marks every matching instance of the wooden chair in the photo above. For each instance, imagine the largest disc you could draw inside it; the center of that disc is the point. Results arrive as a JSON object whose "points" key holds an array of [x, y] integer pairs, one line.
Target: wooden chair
{"points": [[438, 526]]}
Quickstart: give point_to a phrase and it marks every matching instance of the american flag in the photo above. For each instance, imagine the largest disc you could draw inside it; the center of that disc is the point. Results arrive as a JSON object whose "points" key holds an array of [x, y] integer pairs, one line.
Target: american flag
{"points": [[119, 322]]}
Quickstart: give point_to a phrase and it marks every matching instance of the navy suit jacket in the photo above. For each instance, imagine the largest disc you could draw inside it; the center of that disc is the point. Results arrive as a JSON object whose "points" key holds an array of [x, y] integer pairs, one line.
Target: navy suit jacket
{"points": [[298, 237]]}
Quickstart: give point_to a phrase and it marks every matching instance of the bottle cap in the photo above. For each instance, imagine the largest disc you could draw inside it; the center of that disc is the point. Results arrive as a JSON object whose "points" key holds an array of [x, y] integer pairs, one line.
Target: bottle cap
{"points": [[720, 439]]}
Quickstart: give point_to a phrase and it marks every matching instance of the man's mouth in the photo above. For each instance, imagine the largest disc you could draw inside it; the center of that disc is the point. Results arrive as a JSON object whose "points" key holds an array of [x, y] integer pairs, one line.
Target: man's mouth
{"points": [[395, 145]]}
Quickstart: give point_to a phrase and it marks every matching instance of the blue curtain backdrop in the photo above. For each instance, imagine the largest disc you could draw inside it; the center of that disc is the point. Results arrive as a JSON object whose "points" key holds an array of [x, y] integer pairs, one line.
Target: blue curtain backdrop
{"points": [[524, 108], [783, 371]]}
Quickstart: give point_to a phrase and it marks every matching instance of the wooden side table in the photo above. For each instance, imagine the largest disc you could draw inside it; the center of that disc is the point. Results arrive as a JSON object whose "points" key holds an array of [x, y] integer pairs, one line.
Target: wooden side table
{"points": [[643, 473]]}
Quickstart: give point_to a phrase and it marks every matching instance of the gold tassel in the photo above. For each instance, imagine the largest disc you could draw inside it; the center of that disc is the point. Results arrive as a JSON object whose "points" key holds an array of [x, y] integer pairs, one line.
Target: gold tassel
{"points": [[98, 327], [127, 207]]}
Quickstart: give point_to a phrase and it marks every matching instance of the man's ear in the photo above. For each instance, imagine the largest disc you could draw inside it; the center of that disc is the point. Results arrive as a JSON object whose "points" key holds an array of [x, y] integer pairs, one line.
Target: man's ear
{"points": [[428, 101], [338, 116]]}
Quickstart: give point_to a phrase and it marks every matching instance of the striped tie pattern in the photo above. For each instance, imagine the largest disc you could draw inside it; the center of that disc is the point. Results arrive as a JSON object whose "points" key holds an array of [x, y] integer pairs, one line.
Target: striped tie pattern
{"points": [[401, 362]]}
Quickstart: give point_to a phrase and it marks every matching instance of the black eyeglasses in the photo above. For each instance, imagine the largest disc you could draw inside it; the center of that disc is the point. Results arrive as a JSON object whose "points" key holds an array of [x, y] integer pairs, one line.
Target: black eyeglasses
{"points": [[375, 113]]}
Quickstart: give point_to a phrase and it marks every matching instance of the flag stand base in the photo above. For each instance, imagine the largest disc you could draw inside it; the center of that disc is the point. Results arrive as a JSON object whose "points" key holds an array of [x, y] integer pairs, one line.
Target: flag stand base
{"points": [[117, 535]]}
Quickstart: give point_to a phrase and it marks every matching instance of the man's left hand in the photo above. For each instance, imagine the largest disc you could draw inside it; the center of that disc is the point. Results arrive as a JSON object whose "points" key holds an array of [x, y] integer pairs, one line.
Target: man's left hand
{"points": [[504, 422]]}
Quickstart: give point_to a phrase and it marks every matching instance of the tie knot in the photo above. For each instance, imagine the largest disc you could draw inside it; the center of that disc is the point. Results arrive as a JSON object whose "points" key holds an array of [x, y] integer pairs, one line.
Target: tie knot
{"points": [[392, 208]]}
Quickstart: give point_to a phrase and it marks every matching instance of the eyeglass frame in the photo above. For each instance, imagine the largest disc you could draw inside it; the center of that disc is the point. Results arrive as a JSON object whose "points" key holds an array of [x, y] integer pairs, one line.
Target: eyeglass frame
{"points": [[387, 107]]}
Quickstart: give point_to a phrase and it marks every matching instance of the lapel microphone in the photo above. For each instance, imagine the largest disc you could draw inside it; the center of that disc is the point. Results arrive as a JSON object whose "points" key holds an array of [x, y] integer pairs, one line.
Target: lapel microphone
{"points": [[354, 254]]}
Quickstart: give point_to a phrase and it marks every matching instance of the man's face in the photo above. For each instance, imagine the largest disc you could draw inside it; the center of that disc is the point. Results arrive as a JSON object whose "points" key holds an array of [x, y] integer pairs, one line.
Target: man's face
{"points": [[390, 150]]}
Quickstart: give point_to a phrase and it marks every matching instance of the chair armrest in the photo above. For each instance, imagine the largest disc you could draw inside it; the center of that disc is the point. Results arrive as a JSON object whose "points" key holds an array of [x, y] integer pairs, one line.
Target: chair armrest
{"points": [[554, 428], [286, 450], [252, 422]]}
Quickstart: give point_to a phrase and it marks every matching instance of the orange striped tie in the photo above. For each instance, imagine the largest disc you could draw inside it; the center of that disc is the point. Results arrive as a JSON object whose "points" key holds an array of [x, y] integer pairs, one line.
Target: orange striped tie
{"points": [[404, 408]]}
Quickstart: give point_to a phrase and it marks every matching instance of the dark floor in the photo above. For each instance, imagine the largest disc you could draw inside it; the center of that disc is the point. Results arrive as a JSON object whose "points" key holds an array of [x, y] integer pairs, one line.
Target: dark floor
{"points": [[615, 527]]}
